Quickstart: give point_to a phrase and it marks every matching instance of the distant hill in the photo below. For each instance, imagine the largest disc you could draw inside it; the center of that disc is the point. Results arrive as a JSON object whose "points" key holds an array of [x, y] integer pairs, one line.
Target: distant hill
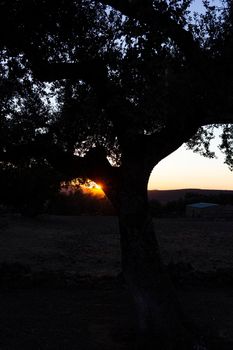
{"points": [[164, 196]]}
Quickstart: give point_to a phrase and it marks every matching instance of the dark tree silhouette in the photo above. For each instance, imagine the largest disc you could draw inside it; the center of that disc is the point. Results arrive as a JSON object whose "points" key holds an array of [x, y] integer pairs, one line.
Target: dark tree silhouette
{"points": [[131, 80]]}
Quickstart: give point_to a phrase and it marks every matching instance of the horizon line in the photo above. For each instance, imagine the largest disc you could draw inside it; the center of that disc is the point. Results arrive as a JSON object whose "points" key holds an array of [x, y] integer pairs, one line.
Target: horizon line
{"points": [[189, 188]]}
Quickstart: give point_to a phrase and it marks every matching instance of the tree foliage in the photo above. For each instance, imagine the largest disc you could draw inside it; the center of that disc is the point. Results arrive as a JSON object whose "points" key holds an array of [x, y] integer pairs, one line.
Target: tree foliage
{"points": [[105, 90], [82, 74]]}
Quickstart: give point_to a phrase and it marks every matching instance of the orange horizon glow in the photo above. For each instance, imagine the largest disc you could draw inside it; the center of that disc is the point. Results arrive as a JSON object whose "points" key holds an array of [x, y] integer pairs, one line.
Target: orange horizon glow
{"points": [[93, 189], [89, 187], [184, 169], [98, 187]]}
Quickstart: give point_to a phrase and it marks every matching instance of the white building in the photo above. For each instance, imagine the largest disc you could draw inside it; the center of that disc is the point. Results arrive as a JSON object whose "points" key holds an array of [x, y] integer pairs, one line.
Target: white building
{"points": [[209, 210], [202, 210]]}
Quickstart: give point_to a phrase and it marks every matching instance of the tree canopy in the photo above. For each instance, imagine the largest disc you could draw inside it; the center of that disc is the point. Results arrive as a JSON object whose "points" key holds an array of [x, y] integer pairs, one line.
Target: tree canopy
{"points": [[141, 76], [104, 90]]}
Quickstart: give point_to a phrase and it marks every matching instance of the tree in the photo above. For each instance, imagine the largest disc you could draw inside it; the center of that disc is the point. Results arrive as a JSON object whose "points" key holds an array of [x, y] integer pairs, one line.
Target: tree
{"points": [[131, 80]]}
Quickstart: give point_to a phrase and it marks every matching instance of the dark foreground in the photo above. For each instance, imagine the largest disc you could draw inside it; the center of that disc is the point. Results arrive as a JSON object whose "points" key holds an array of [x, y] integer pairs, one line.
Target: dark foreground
{"points": [[100, 317], [59, 290], [48, 318]]}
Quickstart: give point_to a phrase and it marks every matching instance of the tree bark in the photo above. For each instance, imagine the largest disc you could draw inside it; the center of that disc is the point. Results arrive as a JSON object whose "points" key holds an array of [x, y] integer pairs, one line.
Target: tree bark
{"points": [[161, 323]]}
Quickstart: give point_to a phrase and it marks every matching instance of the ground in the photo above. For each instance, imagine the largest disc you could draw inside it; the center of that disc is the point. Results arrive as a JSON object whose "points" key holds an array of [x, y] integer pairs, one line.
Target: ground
{"points": [[61, 288]]}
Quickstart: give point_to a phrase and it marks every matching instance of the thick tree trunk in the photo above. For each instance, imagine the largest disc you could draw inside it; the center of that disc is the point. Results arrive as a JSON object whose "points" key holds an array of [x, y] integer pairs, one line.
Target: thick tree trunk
{"points": [[161, 323]]}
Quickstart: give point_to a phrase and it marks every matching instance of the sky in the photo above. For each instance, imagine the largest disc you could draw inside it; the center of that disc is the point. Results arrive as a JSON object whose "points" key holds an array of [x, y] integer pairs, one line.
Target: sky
{"points": [[186, 169]]}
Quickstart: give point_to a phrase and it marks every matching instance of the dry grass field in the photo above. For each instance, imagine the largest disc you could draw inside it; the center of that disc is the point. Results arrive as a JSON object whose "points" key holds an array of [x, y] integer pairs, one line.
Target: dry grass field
{"points": [[90, 245], [92, 310]]}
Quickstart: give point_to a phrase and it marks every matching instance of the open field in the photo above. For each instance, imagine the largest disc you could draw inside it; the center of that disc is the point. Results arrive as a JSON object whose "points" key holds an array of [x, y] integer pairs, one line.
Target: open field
{"points": [[83, 245], [91, 310], [90, 245]]}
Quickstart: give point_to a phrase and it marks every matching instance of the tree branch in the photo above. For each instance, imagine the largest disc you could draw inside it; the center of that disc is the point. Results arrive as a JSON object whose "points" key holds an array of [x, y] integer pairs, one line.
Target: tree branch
{"points": [[218, 118], [94, 72], [168, 140], [94, 165], [144, 11]]}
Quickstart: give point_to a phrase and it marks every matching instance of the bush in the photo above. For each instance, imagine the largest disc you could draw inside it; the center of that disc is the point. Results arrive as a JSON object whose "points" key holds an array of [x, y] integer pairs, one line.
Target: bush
{"points": [[27, 189], [79, 203], [170, 209]]}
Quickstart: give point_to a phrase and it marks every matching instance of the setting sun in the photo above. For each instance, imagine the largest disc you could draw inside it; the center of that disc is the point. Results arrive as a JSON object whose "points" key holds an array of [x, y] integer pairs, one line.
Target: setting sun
{"points": [[93, 188], [98, 187], [88, 187]]}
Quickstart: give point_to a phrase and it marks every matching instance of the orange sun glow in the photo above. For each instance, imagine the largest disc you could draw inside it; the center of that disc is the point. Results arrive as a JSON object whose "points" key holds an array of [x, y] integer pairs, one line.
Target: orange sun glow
{"points": [[93, 188], [98, 187], [89, 187]]}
